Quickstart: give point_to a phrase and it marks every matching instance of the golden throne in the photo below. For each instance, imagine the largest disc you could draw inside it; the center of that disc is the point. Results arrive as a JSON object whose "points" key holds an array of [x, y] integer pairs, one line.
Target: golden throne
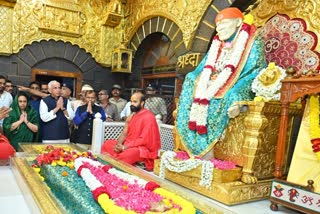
{"points": [[251, 138]]}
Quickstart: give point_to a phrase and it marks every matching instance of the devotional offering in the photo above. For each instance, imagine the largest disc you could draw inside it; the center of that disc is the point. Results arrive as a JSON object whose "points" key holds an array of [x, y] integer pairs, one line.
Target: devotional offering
{"points": [[84, 184]]}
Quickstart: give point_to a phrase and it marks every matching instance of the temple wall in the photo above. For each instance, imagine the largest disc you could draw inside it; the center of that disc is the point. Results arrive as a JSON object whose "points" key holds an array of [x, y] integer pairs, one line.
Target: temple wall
{"points": [[84, 24]]}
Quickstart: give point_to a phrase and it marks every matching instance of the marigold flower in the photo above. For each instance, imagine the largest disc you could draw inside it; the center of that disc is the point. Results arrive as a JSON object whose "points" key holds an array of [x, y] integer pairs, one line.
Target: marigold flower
{"points": [[64, 173]]}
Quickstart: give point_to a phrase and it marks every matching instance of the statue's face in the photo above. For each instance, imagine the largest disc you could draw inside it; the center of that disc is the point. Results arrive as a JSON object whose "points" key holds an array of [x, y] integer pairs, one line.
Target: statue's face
{"points": [[227, 27]]}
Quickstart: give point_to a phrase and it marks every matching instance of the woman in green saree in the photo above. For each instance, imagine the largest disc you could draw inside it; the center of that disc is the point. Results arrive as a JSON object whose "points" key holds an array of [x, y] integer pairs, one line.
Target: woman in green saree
{"points": [[22, 123]]}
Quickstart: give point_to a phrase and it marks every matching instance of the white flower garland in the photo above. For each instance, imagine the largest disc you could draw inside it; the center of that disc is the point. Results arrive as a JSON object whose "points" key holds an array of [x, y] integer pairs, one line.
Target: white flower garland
{"points": [[131, 179], [206, 89], [91, 181], [268, 92], [168, 162], [108, 204]]}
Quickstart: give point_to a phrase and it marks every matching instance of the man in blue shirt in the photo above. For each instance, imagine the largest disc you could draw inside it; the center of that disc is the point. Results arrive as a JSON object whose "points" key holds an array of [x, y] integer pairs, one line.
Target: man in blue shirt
{"points": [[83, 119]]}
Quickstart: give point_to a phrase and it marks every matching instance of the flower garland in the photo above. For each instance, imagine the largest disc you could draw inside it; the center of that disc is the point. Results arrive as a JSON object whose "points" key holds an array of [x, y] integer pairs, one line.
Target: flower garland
{"points": [[206, 89], [58, 156], [168, 162], [218, 164], [315, 124], [117, 191], [270, 92]]}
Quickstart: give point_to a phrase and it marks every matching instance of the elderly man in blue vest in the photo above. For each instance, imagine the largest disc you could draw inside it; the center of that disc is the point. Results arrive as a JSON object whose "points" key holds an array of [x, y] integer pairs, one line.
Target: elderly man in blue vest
{"points": [[55, 111]]}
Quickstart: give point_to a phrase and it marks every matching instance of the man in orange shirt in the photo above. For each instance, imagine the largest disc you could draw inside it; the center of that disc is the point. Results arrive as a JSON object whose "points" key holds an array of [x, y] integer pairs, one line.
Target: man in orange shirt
{"points": [[140, 139]]}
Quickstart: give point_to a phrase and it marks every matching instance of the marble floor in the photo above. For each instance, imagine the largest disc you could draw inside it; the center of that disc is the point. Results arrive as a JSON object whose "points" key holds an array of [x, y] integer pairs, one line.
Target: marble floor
{"points": [[12, 200]]}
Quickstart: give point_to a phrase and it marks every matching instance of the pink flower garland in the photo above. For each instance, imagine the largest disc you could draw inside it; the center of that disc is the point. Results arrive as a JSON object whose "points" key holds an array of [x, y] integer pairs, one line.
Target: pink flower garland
{"points": [[219, 164], [130, 196]]}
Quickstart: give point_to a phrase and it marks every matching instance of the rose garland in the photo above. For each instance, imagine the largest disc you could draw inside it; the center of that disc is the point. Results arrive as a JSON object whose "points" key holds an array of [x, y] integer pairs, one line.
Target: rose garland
{"points": [[168, 162], [206, 89], [315, 124], [91, 172], [58, 156]]}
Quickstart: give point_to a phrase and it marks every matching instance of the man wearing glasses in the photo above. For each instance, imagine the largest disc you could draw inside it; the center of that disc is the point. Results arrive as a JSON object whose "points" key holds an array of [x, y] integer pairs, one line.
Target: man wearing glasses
{"points": [[110, 109]]}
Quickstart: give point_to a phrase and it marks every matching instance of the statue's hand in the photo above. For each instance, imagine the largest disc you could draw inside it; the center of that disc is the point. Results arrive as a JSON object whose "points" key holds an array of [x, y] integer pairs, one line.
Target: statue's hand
{"points": [[234, 111]]}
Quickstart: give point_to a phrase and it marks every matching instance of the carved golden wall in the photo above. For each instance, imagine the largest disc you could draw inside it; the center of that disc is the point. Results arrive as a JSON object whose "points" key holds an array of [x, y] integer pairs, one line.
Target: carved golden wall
{"points": [[5, 30], [185, 13], [307, 10], [83, 22]]}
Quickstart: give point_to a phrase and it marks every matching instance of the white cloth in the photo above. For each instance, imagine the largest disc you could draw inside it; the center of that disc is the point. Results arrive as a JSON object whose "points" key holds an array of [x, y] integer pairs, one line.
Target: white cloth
{"points": [[56, 141], [126, 110], [46, 115], [5, 100], [76, 103]]}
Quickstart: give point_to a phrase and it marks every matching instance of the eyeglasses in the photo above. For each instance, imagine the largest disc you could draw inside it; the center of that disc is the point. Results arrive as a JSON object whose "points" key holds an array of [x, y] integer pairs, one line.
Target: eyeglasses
{"points": [[100, 94]]}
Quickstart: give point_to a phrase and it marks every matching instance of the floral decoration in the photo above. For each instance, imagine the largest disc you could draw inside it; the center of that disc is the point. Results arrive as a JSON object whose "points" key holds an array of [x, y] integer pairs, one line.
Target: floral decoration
{"points": [[218, 164], [168, 162], [120, 192], [58, 156], [216, 66], [270, 92]]}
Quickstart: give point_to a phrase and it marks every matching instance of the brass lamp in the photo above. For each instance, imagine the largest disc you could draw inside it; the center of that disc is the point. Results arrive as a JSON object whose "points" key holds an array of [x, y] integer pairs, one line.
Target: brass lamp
{"points": [[114, 16], [121, 59]]}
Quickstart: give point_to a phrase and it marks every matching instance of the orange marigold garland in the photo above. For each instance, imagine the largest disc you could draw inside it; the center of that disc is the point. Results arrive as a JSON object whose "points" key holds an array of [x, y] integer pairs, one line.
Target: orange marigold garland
{"points": [[315, 124]]}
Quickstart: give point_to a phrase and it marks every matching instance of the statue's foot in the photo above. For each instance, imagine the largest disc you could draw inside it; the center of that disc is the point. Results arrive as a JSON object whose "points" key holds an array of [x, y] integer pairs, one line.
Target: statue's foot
{"points": [[248, 178]]}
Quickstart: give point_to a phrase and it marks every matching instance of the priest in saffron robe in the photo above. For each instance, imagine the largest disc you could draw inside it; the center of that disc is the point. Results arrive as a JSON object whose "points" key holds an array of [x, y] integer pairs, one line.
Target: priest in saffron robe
{"points": [[222, 78], [140, 139]]}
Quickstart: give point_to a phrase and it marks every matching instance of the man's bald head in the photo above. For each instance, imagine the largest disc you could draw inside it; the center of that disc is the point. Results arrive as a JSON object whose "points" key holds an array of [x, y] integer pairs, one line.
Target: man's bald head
{"points": [[137, 101], [139, 96]]}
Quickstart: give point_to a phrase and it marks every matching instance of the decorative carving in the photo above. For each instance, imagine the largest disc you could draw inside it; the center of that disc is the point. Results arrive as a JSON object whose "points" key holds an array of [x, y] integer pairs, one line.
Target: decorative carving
{"points": [[292, 89], [177, 11], [8, 3], [85, 25], [60, 21], [250, 141], [82, 22], [70, 4], [262, 10], [256, 152], [5, 29], [229, 193]]}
